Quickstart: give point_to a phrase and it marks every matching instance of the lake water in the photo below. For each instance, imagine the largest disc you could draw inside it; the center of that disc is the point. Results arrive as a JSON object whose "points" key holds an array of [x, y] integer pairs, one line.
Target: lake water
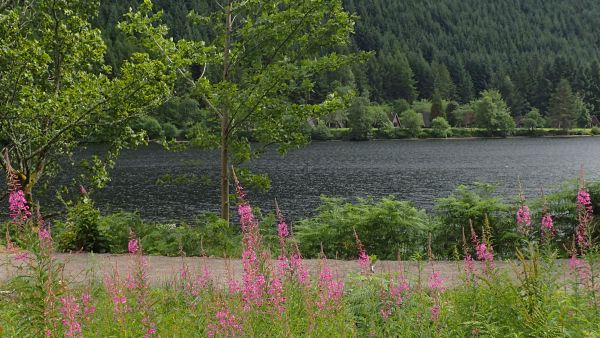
{"points": [[417, 170]]}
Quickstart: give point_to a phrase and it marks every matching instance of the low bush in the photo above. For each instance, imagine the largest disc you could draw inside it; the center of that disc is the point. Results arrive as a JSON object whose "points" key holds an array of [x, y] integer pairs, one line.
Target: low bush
{"points": [[388, 227], [477, 205], [320, 133]]}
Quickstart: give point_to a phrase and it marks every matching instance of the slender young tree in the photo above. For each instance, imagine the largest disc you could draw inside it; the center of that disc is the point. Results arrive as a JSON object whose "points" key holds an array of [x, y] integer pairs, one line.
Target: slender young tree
{"points": [[269, 54]]}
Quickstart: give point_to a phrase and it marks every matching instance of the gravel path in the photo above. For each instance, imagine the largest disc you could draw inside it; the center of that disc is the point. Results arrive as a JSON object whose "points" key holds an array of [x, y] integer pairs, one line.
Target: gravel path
{"points": [[162, 270]]}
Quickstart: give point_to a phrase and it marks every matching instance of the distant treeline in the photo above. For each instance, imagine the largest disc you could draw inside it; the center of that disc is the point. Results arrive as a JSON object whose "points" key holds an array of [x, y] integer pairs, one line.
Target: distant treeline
{"points": [[423, 50]]}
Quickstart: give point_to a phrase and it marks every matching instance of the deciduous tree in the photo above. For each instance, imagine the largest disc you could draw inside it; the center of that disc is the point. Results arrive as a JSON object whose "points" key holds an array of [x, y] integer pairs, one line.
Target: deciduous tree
{"points": [[55, 93]]}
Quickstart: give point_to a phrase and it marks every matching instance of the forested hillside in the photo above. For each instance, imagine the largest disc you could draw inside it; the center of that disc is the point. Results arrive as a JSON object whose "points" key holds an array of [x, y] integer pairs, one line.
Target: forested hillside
{"points": [[455, 48], [521, 47]]}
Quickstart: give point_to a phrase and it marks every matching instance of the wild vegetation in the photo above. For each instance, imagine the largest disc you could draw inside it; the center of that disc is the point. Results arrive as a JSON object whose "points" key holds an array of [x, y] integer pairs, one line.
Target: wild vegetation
{"points": [[279, 297], [222, 74]]}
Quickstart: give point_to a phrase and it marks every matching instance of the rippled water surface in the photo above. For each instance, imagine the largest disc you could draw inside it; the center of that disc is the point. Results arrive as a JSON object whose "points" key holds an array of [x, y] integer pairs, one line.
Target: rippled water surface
{"points": [[419, 171]]}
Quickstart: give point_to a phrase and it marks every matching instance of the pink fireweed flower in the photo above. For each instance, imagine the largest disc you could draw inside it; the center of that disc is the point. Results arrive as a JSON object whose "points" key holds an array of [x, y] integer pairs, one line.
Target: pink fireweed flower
{"points": [[399, 290], [44, 234], [70, 316], [233, 286], [18, 207], [133, 246], [584, 218], [282, 229], [523, 220], [88, 308], [435, 312], [276, 297], [253, 281], [151, 330], [584, 200], [469, 268], [115, 290], [547, 225], [435, 282], [226, 325], [201, 282], [301, 272], [582, 271], [330, 290], [282, 266], [483, 253], [363, 259], [436, 288], [22, 256]]}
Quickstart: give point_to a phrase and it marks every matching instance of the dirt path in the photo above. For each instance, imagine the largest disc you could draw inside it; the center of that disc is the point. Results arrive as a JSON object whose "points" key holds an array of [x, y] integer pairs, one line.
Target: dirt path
{"points": [[162, 270]]}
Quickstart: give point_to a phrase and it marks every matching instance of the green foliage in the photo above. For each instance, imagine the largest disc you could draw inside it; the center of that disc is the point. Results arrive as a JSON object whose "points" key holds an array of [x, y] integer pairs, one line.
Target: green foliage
{"points": [[412, 121], [81, 229], [57, 94], [170, 131], [563, 106], [533, 119], [359, 120], [149, 125], [320, 132], [492, 113], [474, 205], [436, 106], [386, 227], [441, 127], [584, 119]]}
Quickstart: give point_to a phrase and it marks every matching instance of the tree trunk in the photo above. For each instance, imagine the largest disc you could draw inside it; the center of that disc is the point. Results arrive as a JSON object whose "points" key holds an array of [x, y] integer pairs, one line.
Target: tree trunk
{"points": [[224, 171], [225, 116]]}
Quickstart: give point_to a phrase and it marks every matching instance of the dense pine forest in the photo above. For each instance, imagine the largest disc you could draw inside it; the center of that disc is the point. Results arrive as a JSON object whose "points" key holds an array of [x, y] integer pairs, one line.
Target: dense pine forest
{"points": [[445, 50]]}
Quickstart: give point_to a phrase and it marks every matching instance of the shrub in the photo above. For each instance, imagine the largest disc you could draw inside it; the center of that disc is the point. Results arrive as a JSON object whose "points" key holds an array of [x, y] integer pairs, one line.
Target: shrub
{"points": [[595, 131], [149, 124], [170, 131], [81, 229], [412, 121], [475, 204], [386, 227], [320, 132], [441, 127]]}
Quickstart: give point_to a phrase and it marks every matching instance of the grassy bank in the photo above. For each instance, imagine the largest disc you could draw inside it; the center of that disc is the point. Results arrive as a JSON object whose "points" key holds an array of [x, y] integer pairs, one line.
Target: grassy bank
{"points": [[341, 134], [276, 295]]}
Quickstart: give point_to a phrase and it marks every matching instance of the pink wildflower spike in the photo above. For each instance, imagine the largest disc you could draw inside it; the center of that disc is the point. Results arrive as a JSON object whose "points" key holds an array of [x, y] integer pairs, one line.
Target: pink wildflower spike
{"points": [[151, 330], [435, 282], [133, 246], [70, 316], [547, 227], [483, 253], [18, 208], [583, 199], [330, 290], [253, 280], [226, 325], [584, 218], [436, 288], [22, 256], [298, 266], [399, 290], [435, 312], [88, 308], [363, 259], [469, 268], [276, 296], [523, 220]]}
